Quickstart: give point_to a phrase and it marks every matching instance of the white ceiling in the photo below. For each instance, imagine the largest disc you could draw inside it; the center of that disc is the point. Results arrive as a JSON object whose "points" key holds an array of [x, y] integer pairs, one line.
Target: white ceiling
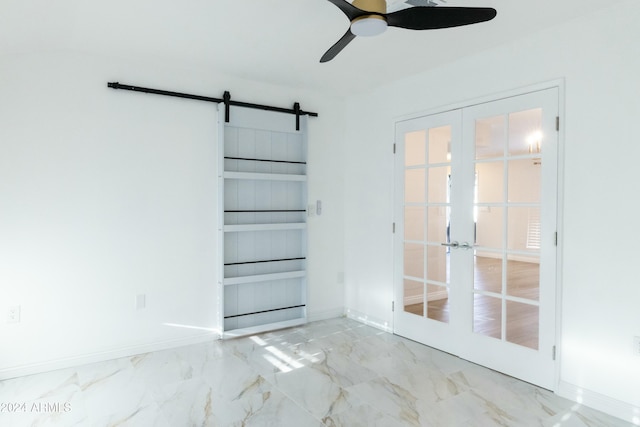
{"points": [[275, 41]]}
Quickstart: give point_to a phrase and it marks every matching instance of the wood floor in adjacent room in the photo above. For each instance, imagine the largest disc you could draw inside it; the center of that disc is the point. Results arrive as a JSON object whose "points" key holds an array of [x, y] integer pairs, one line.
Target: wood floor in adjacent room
{"points": [[522, 319]]}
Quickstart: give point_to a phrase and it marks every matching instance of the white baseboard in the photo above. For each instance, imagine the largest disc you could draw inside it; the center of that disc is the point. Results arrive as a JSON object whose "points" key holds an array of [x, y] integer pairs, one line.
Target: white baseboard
{"points": [[606, 404], [70, 362], [314, 316], [369, 320], [267, 327]]}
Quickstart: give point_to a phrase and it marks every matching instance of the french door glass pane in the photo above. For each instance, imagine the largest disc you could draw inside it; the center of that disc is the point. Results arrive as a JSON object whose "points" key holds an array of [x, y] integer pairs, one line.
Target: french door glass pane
{"points": [[518, 133], [523, 278], [414, 260], [440, 145], [413, 297], [522, 324], [524, 181], [489, 227], [523, 229], [525, 136], [437, 221], [415, 148], [490, 137], [437, 264], [414, 223], [490, 182], [438, 303], [487, 274], [414, 185], [487, 316], [438, 190]]}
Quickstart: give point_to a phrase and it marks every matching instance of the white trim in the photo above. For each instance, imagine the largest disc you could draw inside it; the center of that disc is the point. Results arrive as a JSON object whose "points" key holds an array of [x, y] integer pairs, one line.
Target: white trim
{"points": [[314, 316], [369, 320], [606, 404], [560, 227], [219, 256], [241, 332], [559, 83], [116, 353]]}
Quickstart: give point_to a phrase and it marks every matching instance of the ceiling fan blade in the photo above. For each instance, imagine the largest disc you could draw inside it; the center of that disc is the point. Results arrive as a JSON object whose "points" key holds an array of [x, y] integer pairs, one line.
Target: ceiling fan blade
{"points": [[336, 48], [350, 10], [430, 18]]}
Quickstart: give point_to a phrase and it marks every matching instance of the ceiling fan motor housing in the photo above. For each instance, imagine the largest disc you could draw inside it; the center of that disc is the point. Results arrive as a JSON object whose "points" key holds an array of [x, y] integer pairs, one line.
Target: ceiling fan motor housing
{"points": [[370, 25], [379, 6]]}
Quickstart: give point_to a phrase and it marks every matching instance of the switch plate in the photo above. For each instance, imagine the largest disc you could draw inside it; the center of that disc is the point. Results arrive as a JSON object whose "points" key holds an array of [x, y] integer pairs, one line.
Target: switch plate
{"points": [[311, 210], [636, 346], [13, 314]]}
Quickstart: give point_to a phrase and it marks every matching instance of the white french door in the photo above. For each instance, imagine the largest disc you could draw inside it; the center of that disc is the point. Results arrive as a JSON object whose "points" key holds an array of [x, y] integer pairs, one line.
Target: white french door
{"points": [[475, 243]]}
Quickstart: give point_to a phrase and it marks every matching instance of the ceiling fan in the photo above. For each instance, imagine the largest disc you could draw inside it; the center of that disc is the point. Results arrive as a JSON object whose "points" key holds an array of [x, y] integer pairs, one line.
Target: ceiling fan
{"points": [[370, 18]]}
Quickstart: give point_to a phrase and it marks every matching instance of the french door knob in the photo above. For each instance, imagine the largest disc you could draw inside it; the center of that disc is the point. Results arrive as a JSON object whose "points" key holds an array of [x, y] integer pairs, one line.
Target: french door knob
{"points": [[456, 245]]}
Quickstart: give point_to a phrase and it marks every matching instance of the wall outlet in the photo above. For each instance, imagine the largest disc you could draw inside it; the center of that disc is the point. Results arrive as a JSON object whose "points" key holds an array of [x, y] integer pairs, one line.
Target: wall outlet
{"points": [[636, 346], [13, 315]]}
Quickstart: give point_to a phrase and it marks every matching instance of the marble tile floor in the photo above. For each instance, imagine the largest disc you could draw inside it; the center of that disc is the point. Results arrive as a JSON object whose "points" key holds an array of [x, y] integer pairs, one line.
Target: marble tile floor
{"points": [[337, 372]]}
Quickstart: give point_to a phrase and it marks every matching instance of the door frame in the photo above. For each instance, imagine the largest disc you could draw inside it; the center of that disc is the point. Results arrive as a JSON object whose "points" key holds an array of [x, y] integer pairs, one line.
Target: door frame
{"points": [[560, 85]]}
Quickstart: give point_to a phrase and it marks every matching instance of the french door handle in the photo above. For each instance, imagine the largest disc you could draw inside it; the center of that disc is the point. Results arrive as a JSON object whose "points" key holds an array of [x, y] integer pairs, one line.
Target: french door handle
{"points": [[465, 245], [456, 245]]}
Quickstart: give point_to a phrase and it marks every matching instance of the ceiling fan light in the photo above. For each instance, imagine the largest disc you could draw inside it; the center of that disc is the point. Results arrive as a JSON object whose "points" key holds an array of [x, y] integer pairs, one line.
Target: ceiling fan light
{"points": [[369, 26]]}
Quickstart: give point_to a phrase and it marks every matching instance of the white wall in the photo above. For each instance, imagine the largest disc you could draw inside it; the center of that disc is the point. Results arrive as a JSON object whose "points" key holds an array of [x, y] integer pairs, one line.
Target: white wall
{"points": [[107, 194], [598, 57]]}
